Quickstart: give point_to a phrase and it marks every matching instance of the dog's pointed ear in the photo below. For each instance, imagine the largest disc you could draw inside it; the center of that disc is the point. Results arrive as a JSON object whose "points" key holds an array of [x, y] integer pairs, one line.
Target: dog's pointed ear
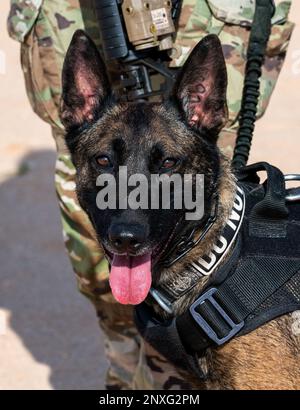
{"points": [[84, 82], [200, 88]]}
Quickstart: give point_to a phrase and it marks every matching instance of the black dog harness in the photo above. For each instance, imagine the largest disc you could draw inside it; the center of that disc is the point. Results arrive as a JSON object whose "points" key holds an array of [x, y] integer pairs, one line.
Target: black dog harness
{"points": [[259, 281]]}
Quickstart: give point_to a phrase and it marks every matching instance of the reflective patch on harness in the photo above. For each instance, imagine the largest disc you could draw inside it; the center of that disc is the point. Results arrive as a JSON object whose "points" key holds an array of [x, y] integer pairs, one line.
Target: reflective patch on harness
{"points": [[208, 263]]}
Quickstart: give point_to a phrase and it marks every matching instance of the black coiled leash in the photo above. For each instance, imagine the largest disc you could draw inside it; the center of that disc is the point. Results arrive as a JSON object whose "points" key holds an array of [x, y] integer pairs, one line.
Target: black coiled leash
{"points": [[259, 36]]}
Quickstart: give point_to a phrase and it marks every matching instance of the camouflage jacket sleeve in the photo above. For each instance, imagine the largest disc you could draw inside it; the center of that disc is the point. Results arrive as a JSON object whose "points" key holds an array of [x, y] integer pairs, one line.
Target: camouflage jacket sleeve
{"points": [[22, 16], [200, 17]]}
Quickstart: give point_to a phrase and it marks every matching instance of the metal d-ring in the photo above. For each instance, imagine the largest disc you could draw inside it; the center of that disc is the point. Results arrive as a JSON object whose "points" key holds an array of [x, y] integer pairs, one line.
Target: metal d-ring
{"points": [[293, 193]]}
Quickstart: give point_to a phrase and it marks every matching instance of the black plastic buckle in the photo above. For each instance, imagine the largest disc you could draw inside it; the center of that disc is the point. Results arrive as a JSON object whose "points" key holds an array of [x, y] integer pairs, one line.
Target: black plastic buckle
{"points": [[208, 296]]}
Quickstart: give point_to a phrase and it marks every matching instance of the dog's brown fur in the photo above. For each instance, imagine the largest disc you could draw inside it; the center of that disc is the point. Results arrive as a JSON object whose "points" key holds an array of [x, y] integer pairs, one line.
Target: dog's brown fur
{"points": [[267, 358]]}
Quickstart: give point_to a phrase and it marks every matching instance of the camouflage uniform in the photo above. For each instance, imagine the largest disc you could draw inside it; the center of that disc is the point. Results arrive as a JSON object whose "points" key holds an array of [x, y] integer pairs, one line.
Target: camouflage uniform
{"points": [[231, 20], [45, 28]]}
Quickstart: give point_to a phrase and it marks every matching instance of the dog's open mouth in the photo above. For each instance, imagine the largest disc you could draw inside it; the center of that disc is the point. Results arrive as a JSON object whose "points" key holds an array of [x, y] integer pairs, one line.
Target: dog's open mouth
{"points": [[130, 278]]}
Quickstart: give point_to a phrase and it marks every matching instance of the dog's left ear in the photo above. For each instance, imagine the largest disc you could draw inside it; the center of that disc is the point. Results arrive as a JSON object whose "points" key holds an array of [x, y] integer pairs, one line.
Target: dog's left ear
{"points": [[84, 82], [200, 89]]}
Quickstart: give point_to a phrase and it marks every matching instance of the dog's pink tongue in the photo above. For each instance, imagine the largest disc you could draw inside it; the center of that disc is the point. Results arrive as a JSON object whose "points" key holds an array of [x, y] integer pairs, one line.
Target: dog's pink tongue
{"points": [[130, 278]]}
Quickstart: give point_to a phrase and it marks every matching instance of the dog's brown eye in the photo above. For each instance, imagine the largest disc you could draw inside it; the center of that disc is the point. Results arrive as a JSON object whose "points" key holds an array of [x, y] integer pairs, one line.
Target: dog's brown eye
{"points": [[103, 161], [169, 163]]}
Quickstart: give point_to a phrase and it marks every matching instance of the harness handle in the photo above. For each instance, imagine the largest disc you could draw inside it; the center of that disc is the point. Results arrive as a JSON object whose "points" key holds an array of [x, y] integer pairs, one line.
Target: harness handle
{"points": [[268, 217]]}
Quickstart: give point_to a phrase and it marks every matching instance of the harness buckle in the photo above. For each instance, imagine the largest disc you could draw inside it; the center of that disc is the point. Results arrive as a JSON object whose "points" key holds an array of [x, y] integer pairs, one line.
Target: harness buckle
{"points": [[293, 194], [208, 328], [163, 302]]}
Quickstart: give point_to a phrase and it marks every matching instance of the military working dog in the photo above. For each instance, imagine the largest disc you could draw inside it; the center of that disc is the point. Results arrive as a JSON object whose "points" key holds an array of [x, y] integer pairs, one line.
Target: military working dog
{"points": [[178, 136]]}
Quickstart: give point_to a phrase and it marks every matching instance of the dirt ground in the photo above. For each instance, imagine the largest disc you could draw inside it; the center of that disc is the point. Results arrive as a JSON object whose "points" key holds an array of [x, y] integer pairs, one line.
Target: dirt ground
{"points": [[49, 337]]}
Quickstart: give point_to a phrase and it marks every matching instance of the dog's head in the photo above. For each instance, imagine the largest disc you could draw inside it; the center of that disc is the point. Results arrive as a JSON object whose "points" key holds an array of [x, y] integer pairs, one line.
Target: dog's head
{"points": [[147, 138]]}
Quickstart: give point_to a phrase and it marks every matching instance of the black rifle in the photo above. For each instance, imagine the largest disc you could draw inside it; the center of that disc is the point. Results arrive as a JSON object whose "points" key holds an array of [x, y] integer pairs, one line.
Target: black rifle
{"points": [[137, 68]]}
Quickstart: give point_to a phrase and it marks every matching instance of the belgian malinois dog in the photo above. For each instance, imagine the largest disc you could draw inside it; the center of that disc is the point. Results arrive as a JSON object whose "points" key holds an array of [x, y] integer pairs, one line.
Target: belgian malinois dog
{"points": [[179, 136]]}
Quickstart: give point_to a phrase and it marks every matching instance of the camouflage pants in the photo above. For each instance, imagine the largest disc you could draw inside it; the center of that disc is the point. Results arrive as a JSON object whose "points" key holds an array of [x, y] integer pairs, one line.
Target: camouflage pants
{"points": [[45, 28]]}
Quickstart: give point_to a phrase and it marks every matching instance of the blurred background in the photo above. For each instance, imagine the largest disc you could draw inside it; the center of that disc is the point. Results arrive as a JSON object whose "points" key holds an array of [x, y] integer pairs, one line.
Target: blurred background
{"points": [[38, 294]]}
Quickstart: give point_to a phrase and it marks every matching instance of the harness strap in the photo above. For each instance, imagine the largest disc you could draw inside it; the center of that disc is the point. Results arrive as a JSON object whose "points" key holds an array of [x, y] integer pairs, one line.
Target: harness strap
{"points": [[220, 313]]}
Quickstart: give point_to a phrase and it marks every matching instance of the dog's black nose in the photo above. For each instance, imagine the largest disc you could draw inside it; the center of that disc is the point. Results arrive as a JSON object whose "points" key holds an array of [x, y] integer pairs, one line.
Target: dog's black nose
{"points": [[127, 238]]}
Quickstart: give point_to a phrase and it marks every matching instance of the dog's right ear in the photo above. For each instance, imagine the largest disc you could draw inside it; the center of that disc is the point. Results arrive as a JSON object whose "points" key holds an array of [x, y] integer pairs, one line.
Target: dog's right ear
{"points": [[84, 82]]}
